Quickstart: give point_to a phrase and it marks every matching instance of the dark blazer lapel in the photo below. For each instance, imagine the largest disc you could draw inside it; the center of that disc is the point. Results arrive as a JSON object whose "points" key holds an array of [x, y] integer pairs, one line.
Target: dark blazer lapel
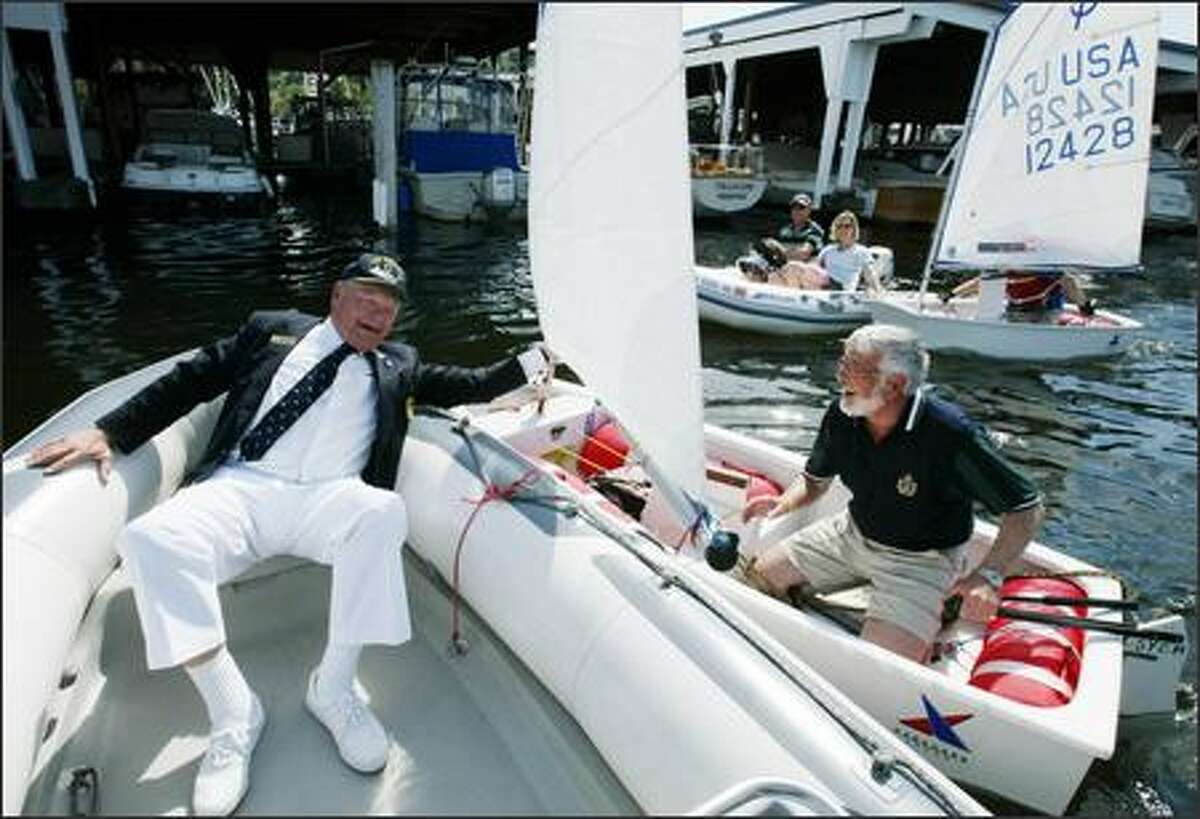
{"points": [[387, 380]]}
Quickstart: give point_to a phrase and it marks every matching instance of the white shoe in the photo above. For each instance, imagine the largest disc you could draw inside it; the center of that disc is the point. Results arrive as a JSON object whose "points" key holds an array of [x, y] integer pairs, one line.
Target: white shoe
{"points": [[224, 774], [360, 738]]}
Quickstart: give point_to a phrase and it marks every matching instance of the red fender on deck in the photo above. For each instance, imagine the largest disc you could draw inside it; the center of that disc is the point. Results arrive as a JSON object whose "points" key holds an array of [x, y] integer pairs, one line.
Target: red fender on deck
{"points": [[1034, 663], [605, 448]]}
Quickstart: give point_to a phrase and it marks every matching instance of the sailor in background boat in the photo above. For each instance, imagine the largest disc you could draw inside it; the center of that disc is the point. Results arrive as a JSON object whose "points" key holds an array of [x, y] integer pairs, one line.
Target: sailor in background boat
{"points": [[802, 233], [1033, 294], [844, 260], [302, 461], [915, 465]]}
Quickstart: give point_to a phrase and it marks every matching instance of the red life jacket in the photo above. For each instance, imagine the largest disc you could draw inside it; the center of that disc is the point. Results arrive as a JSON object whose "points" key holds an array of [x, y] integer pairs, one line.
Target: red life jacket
{"points": [[1032, 291]]}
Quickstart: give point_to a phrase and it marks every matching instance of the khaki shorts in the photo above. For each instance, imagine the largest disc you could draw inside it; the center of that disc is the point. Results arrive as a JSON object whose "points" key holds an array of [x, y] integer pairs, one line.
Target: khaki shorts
{"points": [[908, 587]]}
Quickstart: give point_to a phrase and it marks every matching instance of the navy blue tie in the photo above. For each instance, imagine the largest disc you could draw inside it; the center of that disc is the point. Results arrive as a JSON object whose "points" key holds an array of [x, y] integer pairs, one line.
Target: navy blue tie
{"points": [[294, 404]]}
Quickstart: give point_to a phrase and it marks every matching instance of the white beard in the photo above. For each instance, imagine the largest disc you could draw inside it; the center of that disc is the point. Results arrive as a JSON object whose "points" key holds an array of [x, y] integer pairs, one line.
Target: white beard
{"points": [[861, 407]]}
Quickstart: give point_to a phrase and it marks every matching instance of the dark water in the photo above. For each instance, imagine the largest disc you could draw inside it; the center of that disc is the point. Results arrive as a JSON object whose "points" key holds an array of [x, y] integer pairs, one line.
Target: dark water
{"points": [[1112, 444]]}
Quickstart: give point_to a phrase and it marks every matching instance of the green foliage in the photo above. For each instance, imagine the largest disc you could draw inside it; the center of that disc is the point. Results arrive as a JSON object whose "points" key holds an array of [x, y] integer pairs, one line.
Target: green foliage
{"points": [[293, 94]]}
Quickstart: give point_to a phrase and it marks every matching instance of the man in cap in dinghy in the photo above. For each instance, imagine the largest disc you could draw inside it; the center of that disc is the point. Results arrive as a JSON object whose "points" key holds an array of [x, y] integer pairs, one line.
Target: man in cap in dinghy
{"points": [[302, 461], [915, 465], [802, 234]]}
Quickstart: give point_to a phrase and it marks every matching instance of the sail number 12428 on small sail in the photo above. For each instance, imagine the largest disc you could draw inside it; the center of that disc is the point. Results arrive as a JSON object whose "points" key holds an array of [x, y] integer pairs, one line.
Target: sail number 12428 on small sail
{"points": [[1077, 107]]}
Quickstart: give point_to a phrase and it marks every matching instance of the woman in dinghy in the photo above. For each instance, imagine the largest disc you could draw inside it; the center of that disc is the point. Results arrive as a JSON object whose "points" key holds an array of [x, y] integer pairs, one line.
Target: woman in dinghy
{"points": [[915, 465], [843, 265]]}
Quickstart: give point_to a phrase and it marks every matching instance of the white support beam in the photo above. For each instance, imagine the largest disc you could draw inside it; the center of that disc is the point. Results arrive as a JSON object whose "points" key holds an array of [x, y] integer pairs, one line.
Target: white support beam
{"points": [[66, 97], [854, 124], [34, 16], [14, 118], [727, 101], [385, 205], [858, 71], [833, 118]]}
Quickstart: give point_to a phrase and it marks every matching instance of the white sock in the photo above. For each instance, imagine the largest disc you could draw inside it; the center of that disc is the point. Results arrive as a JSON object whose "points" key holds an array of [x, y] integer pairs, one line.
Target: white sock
{"points": [[226, 694], [336, 672]]}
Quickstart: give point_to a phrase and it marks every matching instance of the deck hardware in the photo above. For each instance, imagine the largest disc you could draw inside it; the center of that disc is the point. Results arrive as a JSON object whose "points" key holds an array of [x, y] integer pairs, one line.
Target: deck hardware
{"points": [[883, 765], [84, 791]]}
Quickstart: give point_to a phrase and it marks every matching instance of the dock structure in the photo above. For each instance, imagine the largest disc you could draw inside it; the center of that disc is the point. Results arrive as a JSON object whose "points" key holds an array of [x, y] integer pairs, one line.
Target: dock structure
{"points": [[820, 72], [48, 19], [96, 46]]}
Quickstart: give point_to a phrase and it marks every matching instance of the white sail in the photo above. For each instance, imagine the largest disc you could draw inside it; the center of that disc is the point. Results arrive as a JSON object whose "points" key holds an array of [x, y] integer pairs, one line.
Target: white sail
{"points": [[610, 232], [1055, 166]]}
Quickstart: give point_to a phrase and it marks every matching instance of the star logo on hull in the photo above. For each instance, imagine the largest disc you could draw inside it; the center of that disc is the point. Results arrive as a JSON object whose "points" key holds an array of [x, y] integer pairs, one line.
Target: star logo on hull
{"points": [[940, 726]]}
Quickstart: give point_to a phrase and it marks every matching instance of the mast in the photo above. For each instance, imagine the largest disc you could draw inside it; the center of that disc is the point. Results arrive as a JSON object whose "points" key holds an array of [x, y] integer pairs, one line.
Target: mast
{"points": [[989, 50]]}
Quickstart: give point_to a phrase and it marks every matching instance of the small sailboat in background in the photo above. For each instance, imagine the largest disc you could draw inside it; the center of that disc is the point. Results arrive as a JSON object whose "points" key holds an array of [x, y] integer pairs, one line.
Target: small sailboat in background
{"points": [[1053, 177]]}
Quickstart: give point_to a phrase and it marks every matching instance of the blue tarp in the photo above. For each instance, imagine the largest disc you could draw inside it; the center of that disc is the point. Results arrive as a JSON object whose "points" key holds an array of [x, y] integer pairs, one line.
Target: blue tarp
{"points": [[443, 151]]}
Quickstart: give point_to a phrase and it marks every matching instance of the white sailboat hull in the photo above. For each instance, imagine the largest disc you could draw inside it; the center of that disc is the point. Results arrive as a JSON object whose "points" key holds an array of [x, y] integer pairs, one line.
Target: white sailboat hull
{"points": [[656, 677], [588, 597], [954, 328], [723, 195]]}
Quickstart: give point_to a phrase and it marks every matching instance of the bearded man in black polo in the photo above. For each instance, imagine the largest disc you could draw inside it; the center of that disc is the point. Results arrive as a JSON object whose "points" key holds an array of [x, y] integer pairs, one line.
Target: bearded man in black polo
{"points": [[915, 466]]}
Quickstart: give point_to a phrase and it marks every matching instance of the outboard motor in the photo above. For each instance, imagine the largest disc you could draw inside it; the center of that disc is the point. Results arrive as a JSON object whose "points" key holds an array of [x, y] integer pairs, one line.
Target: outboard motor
{"points": [[498, 194], [884, 263]]}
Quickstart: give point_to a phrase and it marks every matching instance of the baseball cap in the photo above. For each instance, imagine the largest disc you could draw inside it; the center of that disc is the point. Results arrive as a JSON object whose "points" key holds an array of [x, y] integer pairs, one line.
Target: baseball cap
{"points": [[801, 200], [375, 268]]}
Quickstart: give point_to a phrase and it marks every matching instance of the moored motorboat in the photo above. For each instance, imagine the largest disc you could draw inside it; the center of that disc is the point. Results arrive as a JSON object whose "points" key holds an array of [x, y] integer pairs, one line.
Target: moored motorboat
{"points": [[458, 143], [193, 159], [726, 179]]}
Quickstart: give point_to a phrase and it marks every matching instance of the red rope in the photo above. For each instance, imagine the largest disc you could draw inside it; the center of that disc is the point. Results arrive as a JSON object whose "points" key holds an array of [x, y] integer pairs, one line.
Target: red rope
{"points": [[491, 492]]}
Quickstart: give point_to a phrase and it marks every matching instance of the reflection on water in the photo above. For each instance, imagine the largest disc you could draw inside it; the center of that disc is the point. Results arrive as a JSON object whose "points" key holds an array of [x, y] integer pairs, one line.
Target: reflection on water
{"points": [[1112, 444]]}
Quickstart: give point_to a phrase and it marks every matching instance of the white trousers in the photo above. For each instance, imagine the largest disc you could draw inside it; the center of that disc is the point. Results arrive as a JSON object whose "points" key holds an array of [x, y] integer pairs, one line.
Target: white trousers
{"points": [[179, 552]]}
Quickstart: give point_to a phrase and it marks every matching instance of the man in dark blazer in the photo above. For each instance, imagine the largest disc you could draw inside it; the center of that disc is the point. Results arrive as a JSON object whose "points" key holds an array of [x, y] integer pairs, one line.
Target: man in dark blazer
{"points": [[302, 461]]}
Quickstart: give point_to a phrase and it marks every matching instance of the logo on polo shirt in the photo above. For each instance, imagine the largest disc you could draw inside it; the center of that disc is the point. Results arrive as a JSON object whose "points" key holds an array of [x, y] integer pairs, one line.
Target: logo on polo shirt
{"points": [[906, 486]]}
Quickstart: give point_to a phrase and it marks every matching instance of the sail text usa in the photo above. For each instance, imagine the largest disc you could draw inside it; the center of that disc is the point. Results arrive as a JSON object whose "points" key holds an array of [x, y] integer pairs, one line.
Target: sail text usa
{"points": [[1077, 106]]}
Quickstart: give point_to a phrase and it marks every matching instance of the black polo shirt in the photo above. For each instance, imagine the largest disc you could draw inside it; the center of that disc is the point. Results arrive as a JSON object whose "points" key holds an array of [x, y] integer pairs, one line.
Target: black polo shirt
{"points": [[915, 489]]}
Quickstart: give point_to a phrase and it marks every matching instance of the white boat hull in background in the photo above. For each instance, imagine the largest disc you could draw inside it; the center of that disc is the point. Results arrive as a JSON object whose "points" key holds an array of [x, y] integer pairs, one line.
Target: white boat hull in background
{"points": [[728, 298], [458, 196], [954, 328], [723, 195], [1171, 199]]}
